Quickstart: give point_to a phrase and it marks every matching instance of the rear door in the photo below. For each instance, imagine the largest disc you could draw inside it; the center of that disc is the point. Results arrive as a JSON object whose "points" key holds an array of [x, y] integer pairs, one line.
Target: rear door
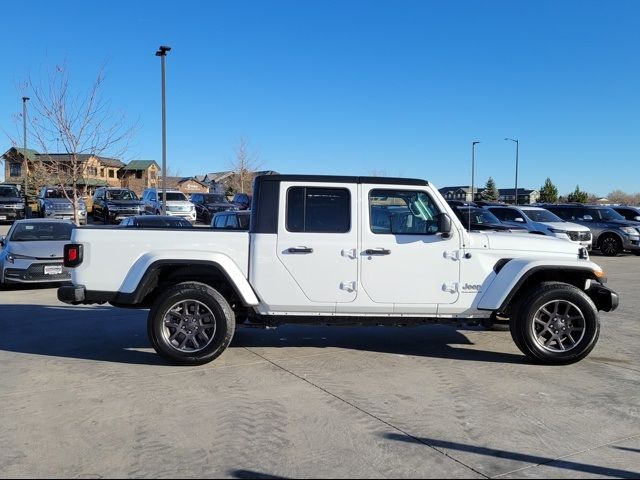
{"points": [[317, 239]]}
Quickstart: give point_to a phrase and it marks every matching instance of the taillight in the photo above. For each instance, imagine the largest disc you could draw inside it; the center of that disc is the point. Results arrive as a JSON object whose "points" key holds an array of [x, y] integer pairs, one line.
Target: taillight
{"points": [[72, 255]]}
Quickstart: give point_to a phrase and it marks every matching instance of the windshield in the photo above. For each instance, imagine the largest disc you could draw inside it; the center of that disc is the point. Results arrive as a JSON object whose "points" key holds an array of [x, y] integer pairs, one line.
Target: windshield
{"points": [[58, 193], [173, 197], [121, 195], [479, 216], [541, 215], [213, 198], [608, 214], [9, 192], [42, 231]]}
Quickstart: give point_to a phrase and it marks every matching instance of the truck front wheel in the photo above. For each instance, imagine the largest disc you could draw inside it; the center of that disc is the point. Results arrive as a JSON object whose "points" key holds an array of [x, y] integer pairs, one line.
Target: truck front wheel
{"points": [[555, 323], [190, 324]]}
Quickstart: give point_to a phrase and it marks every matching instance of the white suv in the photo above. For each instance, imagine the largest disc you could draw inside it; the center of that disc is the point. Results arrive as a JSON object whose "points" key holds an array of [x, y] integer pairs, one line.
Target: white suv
{"points": [[177, 204], [543, 222]]}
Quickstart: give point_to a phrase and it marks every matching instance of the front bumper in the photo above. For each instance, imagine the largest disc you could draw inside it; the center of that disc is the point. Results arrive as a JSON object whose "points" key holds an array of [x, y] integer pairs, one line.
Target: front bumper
{"points": [[65, 215], [10, 215], [632, 243], [604, 298], [191, 216], [35, 273]]}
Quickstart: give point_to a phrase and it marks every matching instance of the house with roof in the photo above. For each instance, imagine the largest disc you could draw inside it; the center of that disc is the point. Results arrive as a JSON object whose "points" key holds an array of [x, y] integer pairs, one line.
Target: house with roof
{"points": [[505, 195], [138, 175], [95, 171], [461, 193], [525, 195], [187, 185]]}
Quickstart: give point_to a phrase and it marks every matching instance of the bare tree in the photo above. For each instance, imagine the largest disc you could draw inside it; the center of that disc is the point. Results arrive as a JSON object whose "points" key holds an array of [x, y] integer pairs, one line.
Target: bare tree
{"points": [[244, 166], [82, 124]]}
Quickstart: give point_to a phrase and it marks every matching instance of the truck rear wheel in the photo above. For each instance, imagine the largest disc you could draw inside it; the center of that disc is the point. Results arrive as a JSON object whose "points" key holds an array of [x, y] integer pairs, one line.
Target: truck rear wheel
{"points": [[190, 324], [555, 323]]}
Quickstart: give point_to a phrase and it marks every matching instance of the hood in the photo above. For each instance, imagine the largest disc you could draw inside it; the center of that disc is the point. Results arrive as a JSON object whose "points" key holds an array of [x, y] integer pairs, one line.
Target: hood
{"points": [[125, 203], [568, 226], [45, 249], [619, 223], [494, 226], [219, 205], [62, 201], [527, 243], [11, 200]]}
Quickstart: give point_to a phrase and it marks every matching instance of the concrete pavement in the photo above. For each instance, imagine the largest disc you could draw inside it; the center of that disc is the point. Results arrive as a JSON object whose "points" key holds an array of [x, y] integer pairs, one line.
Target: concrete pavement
{"points": [[84, 395]]}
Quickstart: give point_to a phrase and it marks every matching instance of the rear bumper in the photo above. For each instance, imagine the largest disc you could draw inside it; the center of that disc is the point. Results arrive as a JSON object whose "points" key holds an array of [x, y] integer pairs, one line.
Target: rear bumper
{"points": [[78, 295], [604, 298]]}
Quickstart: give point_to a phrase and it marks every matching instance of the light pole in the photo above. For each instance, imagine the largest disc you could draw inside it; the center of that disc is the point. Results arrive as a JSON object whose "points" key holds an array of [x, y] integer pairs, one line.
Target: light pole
{"points": [[473, 176], [517, 148], [162, 53], [24, 154]]}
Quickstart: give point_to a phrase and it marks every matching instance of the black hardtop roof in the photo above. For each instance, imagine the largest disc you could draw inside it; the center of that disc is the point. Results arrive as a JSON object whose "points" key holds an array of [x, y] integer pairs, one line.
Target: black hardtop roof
{"points": [[340, 179], [571, 205]]}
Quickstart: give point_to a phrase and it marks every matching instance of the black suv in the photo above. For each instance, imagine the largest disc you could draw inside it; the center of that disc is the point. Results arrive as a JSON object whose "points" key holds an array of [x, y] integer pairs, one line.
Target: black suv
{"points": [[630, 213], [242, 201], [11, 204], [114, 204], [208, 204], [612, 233]]}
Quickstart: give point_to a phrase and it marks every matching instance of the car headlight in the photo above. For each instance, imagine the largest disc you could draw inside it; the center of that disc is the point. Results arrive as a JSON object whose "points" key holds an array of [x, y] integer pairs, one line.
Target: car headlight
{"points": [[12, 257], [556, 230], [629, 230]]}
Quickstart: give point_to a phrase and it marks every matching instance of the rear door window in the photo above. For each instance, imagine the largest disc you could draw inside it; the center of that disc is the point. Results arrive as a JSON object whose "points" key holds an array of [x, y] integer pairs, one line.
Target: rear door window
{"points": [[318, 210]]}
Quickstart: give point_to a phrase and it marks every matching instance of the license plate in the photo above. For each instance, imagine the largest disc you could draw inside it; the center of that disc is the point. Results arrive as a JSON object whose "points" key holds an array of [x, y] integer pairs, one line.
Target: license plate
{"points": [[53, 269], [3, 217]]}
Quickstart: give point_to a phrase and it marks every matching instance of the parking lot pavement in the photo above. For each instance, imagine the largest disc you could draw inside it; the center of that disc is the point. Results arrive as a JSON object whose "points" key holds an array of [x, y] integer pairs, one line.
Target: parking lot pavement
{"points": [[83, 394]]}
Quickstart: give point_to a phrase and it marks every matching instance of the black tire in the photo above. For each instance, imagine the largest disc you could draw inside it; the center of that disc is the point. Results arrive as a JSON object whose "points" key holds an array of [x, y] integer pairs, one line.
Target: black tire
{"points": [[610, 245], [223, 323], [523, 323], [105, 216], [635, 252]]}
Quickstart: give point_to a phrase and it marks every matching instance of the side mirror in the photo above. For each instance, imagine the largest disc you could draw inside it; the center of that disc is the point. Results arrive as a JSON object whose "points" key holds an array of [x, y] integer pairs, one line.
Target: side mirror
{"points": [[3, 239], [637, 218], [444, 224], [519, 220], [587, 218]]}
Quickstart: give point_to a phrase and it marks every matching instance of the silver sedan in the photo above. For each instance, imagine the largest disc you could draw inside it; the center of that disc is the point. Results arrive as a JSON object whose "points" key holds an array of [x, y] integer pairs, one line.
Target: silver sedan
{"points": [[32, 251]]}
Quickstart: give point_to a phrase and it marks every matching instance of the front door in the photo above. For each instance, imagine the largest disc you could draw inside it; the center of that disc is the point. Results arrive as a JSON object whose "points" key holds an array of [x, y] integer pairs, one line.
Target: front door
{"points": [[317, 239], [405, 260]]}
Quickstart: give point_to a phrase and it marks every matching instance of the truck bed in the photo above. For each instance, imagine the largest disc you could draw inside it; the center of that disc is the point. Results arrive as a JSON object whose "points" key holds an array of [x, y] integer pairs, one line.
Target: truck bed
{"points": [[123, 253]]}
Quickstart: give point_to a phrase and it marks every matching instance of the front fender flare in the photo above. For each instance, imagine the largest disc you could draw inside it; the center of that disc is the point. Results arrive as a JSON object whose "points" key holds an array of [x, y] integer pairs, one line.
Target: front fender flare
{"points": [[515, 272]]}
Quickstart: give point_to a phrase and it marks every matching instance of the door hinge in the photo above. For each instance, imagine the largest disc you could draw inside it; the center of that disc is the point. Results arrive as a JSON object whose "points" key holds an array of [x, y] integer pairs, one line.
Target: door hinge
{"points": [[348, 286], [450, 287], [452, 254], [349, 253]]}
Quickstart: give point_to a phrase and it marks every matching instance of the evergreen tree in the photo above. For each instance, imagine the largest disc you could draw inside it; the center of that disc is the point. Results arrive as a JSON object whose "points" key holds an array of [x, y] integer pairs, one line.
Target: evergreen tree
{"points": [[578, 196], [490, 192], [548, 192]]}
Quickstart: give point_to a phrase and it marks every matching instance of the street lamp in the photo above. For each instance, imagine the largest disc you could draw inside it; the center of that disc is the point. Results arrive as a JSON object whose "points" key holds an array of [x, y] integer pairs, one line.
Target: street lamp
{"points": [[473, 176], [24, 155], [162, 53], [517, 148]]}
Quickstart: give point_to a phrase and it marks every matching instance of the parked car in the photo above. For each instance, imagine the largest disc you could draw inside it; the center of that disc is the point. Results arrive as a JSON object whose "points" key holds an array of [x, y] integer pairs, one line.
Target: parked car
{"points": [[208, 204], [11, 204], [242, 201], [232, 220], [33, 251], [482, 219], [543, 222], [629, 213], [611, 232], [54, 202], [314, 256], [111, 205], [155, 221], [177, 204]]}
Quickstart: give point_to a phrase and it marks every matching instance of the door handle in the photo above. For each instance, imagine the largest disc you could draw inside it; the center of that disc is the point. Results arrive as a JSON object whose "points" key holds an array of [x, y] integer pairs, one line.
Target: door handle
{"points": [[377, 251], [300, 250]]}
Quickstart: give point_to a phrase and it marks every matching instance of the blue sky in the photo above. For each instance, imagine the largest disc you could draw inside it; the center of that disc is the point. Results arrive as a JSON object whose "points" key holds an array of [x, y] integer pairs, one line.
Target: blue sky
{"points": [[352, 87]]}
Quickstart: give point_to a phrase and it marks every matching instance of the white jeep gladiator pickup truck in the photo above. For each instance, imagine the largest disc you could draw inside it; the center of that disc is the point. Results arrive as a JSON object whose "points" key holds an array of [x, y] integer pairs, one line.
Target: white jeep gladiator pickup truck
{"points": [[341, 250]]}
